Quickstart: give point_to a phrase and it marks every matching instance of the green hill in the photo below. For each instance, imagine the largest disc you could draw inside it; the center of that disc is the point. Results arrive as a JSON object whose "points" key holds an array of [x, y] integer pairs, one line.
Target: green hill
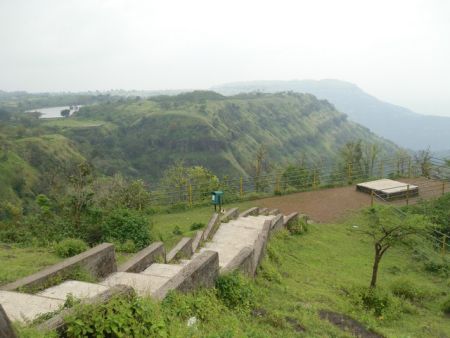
{"points": [[143, 137]]}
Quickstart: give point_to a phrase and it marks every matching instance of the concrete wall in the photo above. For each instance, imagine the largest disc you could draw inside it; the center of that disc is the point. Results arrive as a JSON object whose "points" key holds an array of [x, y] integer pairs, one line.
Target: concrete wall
{"points": [[277, 222], [202, 271], [242, 262], [183, 249], [252, 211], [290, 219], [142, 260], [6, 329], [211, 228], [100, 261], [260, 246], [197, 239], [229, 215]]}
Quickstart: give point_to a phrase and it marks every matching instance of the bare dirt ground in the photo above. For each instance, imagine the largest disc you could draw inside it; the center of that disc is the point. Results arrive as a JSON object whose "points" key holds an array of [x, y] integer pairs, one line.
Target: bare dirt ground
{"points": [[331, 205]]}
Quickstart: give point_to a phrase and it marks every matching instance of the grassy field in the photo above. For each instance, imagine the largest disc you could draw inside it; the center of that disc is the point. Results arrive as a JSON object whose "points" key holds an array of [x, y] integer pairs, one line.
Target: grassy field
{"points": [[17, 262], [321, 270]]}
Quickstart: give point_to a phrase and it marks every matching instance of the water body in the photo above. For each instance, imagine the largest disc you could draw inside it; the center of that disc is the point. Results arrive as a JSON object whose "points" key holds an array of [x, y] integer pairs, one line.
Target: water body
{"points": [[54, 112]]}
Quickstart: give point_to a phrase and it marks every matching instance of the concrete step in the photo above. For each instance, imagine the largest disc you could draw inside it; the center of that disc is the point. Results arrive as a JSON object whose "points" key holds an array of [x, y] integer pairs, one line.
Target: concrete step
{"points": [[163, 270], [144, 285], [77, 289], [25, 307]]}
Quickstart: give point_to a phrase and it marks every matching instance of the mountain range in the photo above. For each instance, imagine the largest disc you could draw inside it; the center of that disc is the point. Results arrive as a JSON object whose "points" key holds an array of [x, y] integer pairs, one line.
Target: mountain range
{"points": [[398, 124]]}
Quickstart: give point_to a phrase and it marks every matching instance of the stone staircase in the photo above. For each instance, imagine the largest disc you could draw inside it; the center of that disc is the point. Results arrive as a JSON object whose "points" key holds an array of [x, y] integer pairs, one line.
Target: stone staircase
{"points": [[235, 234]]}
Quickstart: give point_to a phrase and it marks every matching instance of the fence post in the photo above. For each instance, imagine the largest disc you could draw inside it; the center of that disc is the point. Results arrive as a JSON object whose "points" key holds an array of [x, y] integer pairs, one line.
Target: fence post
{"points": [[372, 195], [443, 187], [407, 194], [349, 173], [409, 168], [314, 179], [241, 187], [190, 195]]}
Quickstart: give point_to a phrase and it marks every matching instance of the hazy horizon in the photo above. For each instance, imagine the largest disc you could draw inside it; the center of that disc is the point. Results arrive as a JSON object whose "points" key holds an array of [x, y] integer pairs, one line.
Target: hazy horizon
{"points": [[395, 51]]}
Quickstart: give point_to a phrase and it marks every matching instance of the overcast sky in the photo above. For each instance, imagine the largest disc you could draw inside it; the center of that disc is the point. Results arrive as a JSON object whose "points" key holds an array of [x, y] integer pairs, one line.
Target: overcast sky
{"points": [[396, 50]]}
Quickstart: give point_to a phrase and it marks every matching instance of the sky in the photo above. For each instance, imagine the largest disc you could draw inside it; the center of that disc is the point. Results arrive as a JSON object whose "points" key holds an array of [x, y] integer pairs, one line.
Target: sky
{"points": [[398, 51]]}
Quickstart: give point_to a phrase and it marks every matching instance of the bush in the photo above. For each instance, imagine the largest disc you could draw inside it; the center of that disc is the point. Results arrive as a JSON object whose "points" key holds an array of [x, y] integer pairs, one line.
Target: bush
{"points": [[196, 226], [120, 317], [177, 231], [123, 225], [406, 289], [298, 227], [445, 307], [235, 291], [379, 302], [70, 247]]}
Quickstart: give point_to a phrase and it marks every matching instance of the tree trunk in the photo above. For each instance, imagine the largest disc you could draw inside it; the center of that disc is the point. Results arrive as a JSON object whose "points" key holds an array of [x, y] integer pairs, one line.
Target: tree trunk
{"points": [[373, 282]]}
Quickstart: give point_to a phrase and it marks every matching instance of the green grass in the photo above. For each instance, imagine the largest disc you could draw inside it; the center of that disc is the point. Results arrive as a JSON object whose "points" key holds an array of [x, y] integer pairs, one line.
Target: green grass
{"points": [[319, 269], [164, 223], [18, 262], [72, 123]]}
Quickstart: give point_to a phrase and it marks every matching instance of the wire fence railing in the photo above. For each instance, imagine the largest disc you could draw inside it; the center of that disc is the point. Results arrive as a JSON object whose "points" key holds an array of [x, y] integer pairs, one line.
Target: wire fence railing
{"points": [[300, 178]]}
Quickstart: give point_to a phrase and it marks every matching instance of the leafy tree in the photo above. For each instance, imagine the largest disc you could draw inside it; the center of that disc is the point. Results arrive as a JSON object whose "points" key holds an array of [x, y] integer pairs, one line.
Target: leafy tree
{"points": [[351, 154], [80, 191], [65, 112], [423, 160], [260, 166], [177, 179], [295, 176], [387, 228], [370, 154]]}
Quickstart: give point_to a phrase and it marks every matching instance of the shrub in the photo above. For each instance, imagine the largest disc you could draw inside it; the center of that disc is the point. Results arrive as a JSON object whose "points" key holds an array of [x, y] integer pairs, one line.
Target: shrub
{"points": [[120, 317], [196, 226], [298, 227], [177, 231], [123, 225], [235, 291], [70, 247], [406, 289], [445, 307], [381, 303], [128, 246]]}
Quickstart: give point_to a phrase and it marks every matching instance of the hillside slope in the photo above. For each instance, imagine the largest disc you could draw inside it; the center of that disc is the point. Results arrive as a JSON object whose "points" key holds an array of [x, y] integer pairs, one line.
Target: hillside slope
{"points": [[401, 125], [143, 137]]}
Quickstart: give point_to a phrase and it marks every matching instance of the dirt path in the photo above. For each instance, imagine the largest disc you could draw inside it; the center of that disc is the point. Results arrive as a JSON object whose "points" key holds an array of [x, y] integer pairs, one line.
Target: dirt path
{"points": [[331, 205]]}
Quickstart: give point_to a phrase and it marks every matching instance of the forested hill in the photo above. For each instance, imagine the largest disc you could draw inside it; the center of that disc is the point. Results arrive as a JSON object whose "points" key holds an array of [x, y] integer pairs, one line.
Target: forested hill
{"points": [[401, 125], [143, 137]]}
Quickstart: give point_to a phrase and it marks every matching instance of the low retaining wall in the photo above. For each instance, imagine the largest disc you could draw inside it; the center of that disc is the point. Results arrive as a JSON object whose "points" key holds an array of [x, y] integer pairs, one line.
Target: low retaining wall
{"points": [[57, 322], [229, 215], [212, 226], [182, 250], [201, 272], [252, 211], [142, 260], [290, 218], [6, 329], [277, 222], [197, 239], [264, 211], [260, 246], [242, 262], [99, 261], [274, 212]]}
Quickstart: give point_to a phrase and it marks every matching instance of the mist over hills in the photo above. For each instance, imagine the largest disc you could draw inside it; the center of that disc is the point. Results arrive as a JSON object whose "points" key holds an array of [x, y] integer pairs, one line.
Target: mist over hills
{"points": [[398, 124]]}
